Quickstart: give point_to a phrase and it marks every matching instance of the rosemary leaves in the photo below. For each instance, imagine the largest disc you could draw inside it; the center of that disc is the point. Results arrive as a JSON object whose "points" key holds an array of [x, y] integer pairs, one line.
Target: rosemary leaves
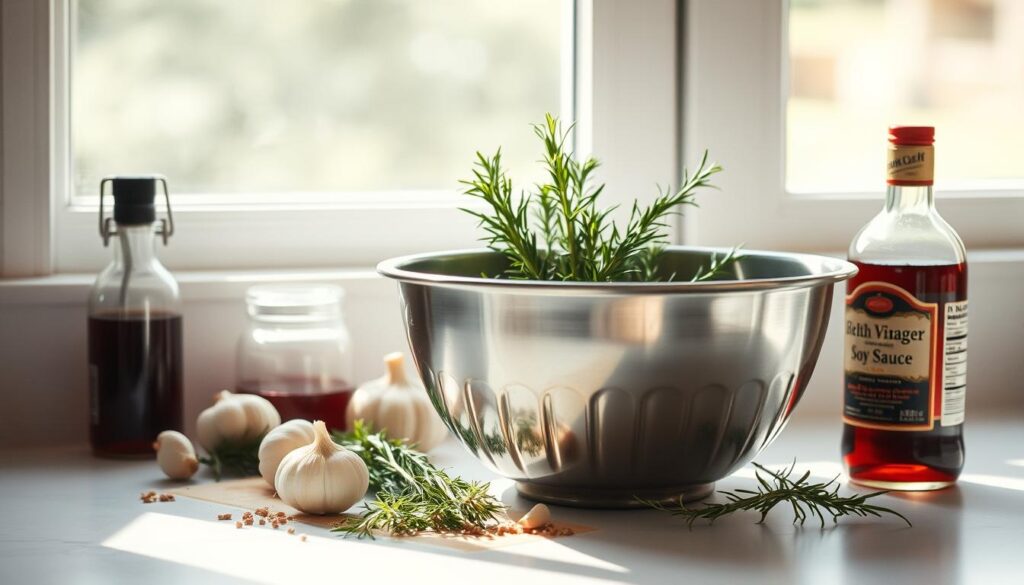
{"points": [[560, 232], [807, 500], [412, 495]]}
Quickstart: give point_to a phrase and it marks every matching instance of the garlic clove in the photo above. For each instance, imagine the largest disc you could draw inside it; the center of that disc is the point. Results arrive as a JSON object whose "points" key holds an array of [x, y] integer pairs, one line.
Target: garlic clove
{"points": [[175, 455], [538, 517]]}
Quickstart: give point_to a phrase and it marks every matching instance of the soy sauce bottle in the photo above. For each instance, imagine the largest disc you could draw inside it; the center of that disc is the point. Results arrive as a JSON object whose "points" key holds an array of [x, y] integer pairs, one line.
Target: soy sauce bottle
{"points": [[906, 333], [135, 353]]}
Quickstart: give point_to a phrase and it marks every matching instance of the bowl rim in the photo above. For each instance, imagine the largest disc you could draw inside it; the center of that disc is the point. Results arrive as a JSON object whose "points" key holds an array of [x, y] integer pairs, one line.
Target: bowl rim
{"points": [[824, 270]]}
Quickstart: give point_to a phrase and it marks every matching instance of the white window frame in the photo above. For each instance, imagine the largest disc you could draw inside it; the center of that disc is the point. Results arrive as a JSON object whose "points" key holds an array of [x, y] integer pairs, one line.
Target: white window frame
{"points": [[734, 100], [624, 56]]}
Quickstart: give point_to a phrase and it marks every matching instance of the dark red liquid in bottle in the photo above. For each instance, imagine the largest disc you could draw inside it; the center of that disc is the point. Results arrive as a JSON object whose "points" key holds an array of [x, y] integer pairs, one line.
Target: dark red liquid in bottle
{"points": [[305, 398], [135, 374], [910, 459]]}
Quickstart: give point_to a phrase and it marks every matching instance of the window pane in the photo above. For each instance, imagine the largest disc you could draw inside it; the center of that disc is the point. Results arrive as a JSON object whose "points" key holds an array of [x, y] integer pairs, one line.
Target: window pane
{"points": [[858, 66], [247, 96]]}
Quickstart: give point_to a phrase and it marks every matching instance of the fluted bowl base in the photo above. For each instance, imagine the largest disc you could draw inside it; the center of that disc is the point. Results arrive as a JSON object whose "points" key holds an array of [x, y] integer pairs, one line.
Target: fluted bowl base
{"points": [[612, 498]]}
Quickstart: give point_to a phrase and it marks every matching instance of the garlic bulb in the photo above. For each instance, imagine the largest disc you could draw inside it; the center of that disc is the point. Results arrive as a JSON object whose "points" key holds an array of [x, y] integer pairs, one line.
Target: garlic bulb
{"points": [[281, 441], [235, 417], [538, 517], [322, 477], [175, 455], [399, 406]]}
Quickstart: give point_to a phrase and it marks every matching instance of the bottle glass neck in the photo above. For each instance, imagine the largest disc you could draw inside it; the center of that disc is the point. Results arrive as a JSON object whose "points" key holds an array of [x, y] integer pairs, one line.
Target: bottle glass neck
{"points": [[134, 246], [909, 199]]}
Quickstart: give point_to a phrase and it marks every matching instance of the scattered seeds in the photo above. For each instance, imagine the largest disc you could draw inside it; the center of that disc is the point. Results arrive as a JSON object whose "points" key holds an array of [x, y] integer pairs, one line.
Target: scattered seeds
{"points": [[223, 516], [238, 524]]}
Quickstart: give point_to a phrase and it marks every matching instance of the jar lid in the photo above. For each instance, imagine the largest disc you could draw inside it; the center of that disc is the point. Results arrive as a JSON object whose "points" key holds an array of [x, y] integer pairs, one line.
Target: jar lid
{"points": [[294, 302]]}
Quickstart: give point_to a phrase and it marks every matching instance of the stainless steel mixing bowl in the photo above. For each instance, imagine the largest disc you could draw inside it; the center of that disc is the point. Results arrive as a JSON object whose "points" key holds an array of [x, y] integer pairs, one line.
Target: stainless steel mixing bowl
{"points": [[596, 394]]}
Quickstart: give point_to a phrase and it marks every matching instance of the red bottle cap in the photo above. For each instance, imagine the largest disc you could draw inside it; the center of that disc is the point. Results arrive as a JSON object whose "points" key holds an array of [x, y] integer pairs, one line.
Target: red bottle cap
{"points": [[912, 135]]}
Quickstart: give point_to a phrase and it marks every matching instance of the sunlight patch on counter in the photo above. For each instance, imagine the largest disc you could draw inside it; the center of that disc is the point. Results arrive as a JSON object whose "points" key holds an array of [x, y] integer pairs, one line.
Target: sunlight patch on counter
{"points": [[270, 556], [998, 481]]}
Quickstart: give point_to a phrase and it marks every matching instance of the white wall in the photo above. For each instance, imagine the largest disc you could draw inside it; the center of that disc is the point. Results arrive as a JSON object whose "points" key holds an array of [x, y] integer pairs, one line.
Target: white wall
{"points": [[43, 392]]}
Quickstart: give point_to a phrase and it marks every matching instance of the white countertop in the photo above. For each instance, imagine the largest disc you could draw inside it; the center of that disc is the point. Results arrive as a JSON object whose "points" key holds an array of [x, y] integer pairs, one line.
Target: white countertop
{"points": [[68, 517]]}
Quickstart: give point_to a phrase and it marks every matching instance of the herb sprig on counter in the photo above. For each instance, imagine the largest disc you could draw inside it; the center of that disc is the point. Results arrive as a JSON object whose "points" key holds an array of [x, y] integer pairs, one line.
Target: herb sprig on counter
{"points": [[412, 495], [807, 500], [560, 232]]}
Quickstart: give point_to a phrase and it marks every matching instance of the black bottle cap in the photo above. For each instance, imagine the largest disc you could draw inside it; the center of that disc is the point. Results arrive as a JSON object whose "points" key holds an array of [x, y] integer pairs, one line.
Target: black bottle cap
{"points": [[134, 199]]}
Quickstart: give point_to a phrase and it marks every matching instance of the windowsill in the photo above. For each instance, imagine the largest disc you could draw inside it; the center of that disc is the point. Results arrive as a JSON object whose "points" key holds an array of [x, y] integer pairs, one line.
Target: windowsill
{"points": [[62, 289], [229, 284]]}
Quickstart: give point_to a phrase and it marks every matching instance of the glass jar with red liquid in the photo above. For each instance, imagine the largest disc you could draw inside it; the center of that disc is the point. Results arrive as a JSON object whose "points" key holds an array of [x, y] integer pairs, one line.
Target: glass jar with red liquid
{"points": [[296, 351], [905, 353]]}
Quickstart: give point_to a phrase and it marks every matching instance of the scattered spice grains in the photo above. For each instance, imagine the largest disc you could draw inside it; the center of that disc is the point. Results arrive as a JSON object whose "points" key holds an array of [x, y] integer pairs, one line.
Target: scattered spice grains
{"points": [[276, 520], [548, 530], [150, 497]]}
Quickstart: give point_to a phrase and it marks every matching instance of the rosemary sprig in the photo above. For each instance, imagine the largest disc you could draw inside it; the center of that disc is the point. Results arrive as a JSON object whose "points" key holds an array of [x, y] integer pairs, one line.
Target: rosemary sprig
{"points": [[716, 267], [561, 233], [412, 495], [239, 458], [816, 500]]}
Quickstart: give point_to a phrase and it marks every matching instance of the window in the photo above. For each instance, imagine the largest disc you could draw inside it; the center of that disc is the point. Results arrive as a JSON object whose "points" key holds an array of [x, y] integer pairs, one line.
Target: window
{"points": [[794, 99], [856, 67], [360, 164], [232, 98], [298, 135]]}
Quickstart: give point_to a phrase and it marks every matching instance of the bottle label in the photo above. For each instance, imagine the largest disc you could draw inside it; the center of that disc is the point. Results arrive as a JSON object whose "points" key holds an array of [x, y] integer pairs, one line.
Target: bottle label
{"points": [[891, 339], [910, 165], [954, 363]]}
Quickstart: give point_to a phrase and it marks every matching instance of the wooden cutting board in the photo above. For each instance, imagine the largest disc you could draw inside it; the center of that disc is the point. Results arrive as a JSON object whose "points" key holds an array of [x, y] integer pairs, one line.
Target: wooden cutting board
{"points": [[252, 493]]}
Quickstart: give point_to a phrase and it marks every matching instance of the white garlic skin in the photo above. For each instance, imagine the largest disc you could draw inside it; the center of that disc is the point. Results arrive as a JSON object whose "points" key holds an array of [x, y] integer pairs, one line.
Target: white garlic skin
{"points": [[322, 477], [235, 417], [538, 517], [280, 441], [395, 404], [175, 455]]}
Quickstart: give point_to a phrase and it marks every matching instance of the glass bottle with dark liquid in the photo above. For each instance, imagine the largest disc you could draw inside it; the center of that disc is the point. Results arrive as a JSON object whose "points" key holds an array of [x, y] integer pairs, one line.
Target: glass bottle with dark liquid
{"points": [[905, 354], [135, 352]]}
